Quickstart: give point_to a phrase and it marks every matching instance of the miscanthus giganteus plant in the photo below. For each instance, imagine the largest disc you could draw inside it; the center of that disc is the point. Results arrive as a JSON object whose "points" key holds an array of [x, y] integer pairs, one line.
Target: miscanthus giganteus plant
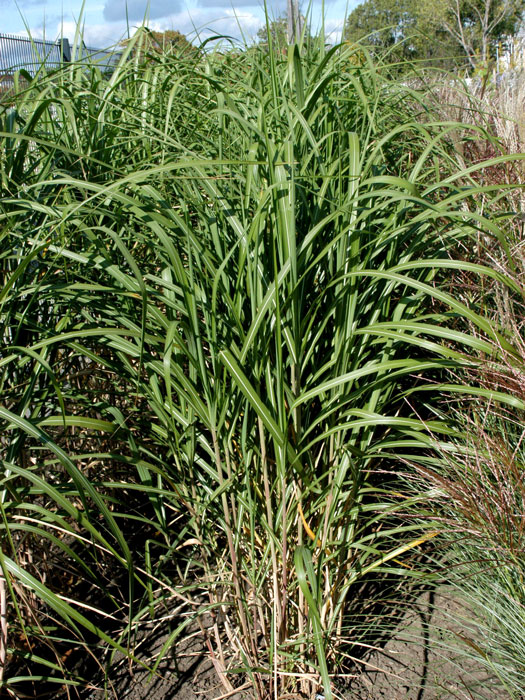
{"points": [[224, 325]]}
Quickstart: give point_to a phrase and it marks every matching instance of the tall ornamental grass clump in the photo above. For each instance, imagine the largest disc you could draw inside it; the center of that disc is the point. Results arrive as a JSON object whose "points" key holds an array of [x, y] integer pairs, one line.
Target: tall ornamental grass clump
{"points": [[479, 488], [224, 325], [479, 503]]}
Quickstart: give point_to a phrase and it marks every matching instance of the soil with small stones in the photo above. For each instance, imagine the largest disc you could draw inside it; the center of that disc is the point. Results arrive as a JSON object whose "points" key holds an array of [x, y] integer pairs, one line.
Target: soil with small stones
{"points": [[421, 661]]}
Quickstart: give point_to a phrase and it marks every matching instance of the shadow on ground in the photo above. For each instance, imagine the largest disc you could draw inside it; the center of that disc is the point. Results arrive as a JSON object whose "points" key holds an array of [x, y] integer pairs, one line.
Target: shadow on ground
{"points": [[427, 657]]}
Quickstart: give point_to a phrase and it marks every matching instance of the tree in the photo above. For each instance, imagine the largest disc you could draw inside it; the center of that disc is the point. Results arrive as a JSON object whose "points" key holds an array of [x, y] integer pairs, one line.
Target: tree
{"points": [[279, 32], [477, 26], [435, 29], [384, 24], [172, 41], [399, 28]]}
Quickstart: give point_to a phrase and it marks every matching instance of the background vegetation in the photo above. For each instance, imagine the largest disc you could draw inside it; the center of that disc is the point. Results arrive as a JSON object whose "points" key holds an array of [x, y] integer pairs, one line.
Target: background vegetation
{"points": [[448, 32]]}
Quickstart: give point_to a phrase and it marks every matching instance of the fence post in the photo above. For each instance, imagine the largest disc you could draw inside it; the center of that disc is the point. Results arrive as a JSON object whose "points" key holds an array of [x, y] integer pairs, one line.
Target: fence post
{"points": [[66, 50]]}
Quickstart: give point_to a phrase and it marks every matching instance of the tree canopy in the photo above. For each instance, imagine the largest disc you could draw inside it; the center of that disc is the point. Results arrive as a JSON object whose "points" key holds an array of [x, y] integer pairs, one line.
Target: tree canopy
{"points": [[279, 31], [156, 42], [436, 30]]}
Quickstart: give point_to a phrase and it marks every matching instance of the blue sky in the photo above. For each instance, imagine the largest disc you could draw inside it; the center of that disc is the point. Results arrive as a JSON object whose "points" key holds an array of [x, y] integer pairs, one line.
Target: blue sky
{"points": [[105, 20]]}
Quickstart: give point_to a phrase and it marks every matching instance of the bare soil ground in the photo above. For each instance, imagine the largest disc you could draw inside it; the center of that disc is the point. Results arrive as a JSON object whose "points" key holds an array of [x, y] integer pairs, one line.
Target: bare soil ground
{"points": [[422, 661], [428, 659], [187, 672]]}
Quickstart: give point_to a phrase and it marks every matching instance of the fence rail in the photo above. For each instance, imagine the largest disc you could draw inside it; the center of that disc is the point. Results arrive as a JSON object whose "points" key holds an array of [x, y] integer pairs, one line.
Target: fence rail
{"points": [[33, 55]]}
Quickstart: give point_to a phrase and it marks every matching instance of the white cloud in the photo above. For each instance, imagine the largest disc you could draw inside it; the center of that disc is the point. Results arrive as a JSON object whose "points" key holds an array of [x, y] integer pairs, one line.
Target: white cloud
{"points": [[115, 10], [99, 36], [200, 23], [241, 22], [222, 3], [333, 30]]}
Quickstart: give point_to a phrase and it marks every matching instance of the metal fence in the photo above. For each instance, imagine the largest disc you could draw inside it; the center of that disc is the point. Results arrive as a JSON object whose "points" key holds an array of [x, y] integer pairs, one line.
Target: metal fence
{"points": [[34, 55]]}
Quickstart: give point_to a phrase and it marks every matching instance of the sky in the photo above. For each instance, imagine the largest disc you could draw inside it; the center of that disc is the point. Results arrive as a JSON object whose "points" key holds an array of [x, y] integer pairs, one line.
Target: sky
{"points": [[105, 22]]}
